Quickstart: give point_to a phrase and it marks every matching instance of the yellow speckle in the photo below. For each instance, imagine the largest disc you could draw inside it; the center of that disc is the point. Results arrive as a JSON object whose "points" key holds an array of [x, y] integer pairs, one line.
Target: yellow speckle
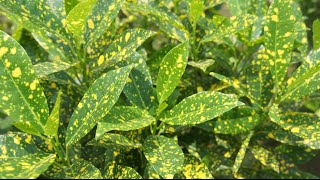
{"points": [[7, 63], [5, 98], [287, 34], [236, 83], [280, 52], [276, 10], [101, 60], [49, 144], [9, 168], [13, 50], [17, 140], [94, 96], [292, 17], [127, 37], [90, 24], [275, 18], [80, 105], [179, 65], [30, 96], [28, 140], [270, 135], [295, 130], [53, 85], [33, 85], [16, 72], [3, 51], [129, 80], [63, 22]]}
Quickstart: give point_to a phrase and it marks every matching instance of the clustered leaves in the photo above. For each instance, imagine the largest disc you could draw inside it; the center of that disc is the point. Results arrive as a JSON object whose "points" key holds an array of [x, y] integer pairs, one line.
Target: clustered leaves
{"points": [[158, 89]]}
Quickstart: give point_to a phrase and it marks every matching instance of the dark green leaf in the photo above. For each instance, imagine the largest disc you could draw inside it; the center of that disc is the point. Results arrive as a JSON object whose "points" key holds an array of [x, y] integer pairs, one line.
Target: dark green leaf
{"points": [[265, 157], [241, 153], [195, 169], [82, 169]]}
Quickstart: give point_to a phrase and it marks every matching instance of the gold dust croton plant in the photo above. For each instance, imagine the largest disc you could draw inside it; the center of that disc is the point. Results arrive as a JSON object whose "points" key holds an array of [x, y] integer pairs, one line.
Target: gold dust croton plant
{"points": [[158, 89]]}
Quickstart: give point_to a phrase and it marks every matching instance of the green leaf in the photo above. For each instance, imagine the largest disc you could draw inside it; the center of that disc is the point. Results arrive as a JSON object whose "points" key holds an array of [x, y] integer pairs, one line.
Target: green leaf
{"points": [[108, 139], [70, 4], [171, 69], [279, 39], [123, 47], [200, 107], [139, 87], [27, 166], [237, 125], [82, 169], [195, 169], [96, 103], [121, 172], [164, 155], [150, 173], [47, 68], [238, 7], [306, 78], [265, 157], [166, 21], [100, 18], [52, 125], [229, 27], [316, 34], [241, 154], [76, 18], [195, 8], [22, 97], [203, 65], [124, 118], [40, 15]]}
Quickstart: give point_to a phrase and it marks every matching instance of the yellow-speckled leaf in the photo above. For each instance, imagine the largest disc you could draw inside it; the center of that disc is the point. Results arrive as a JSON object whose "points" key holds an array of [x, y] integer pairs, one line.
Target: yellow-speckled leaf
{"points": [[44, 15], [108, 139], [122, 172], [52, 125], [265, 157], [83, 169], [121, 48], [22, 97], [47, 68], [168, 23], [279, 38], [306, 78], [124, 118], [203, 65], [150, 173], [164, 155], [229, 27], [195, 169], [200, 107], [77, 17], [28, 166], [96, 103], [241, 153], [236, 126], [171, 69], [316, 34], [100, 18]]}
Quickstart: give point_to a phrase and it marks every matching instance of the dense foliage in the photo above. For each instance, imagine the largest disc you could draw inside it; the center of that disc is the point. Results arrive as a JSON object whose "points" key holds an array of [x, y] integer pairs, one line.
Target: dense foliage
{"points": [[159, 89]]}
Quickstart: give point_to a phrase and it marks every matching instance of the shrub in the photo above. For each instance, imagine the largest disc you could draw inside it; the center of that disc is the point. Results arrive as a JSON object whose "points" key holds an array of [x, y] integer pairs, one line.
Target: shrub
{"points": [[158, 89]]}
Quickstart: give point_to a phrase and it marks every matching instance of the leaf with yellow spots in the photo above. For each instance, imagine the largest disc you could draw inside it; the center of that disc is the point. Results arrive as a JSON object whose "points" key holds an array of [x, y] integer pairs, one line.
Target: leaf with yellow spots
{"points": [[96, 103], [265, 157], [316, 34], [46, 68], [298, 155], [39, 16], [100, 18], [124, 118], [76, 18], [238, 7], [28, 166], [108, 139], [52, 125], [121, 48], [139, 88], [200, 107], [163, 155], [70, 4], [229, 27], [195, 169], [166, 21], [241, 153], [195, 9], [83, 169], [202, 64], [301, 29], [22, 97], [237, 125], [150, 173], [171, 70], [279, 38], [305, 79], [122, 172]]}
